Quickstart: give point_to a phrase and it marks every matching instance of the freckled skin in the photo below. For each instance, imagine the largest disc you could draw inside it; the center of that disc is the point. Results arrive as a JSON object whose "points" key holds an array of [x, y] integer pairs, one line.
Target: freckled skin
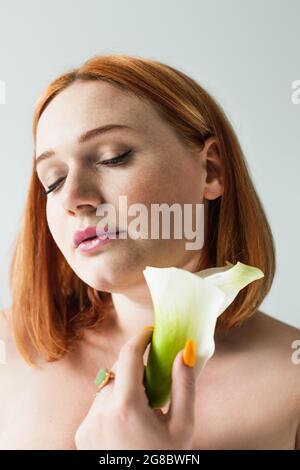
{"points": [[240, 400], [162, 170], [234, 407]]}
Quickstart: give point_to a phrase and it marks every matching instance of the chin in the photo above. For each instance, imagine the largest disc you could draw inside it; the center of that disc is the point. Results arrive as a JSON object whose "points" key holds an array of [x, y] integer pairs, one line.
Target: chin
{"points": [[112, 279]]}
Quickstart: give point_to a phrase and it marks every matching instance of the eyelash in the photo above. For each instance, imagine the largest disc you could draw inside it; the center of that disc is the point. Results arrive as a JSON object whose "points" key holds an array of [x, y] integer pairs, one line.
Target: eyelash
{"points": [[123, 158]]}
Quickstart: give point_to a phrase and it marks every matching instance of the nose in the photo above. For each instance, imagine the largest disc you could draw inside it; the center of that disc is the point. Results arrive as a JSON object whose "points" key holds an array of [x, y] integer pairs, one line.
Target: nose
{"points": [[80, 194]]}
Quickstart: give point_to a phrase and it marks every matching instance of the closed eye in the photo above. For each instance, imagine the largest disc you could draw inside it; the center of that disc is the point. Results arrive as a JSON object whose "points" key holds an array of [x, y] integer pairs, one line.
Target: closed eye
{"points": [[115, 161]]}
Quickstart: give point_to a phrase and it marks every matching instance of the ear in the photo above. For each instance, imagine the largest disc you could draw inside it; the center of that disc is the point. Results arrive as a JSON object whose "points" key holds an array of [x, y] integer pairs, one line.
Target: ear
{"points": [[214, 183]]}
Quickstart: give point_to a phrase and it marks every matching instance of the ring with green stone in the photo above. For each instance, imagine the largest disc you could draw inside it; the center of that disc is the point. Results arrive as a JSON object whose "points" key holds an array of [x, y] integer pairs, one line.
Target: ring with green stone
{"points": [[103, 377]]}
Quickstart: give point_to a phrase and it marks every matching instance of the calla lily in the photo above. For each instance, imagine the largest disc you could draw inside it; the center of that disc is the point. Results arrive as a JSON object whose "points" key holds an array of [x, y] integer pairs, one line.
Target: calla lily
{"points": [[186, 306]]}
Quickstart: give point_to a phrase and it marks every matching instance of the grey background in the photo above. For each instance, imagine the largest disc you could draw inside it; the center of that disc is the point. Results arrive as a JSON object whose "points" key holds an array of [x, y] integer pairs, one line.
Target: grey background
{"points": [[246, 53]]}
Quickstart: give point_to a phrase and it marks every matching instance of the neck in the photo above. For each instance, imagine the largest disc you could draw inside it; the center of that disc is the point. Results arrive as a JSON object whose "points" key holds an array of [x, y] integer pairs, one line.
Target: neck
{"points": [[133, 308]]}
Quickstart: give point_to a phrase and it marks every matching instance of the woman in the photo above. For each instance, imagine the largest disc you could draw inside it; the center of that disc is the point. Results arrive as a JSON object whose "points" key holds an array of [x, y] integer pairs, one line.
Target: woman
{"points": [[76, 308]]}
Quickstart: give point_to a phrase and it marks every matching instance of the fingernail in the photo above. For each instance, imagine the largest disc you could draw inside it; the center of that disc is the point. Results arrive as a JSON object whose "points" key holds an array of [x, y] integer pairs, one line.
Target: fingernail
{"points": [[189, 354], [149, 327]]}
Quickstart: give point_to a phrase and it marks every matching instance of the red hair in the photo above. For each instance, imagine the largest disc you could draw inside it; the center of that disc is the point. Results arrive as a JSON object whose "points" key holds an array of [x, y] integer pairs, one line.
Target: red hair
{"points": [[52, 307]]}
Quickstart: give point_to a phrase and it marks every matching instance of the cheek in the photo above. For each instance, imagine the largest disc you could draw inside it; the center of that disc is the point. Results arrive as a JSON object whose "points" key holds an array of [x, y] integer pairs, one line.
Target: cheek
{"points": [[165, 183], [159, 185], [56, 224]]}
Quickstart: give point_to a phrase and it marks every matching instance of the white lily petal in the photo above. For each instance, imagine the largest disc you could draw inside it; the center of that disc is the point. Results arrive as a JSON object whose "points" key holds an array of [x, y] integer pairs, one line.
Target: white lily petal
{"points": [[231, 279], [186, 306]]}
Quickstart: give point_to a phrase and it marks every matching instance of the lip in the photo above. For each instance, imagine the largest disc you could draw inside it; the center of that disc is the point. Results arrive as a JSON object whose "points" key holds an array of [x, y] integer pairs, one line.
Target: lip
{"points": [[92, 244], [88, 238]]}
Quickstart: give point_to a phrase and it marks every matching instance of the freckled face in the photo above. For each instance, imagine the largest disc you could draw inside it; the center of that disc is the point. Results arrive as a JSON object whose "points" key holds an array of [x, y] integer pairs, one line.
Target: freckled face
{"points": [[157, 169]]}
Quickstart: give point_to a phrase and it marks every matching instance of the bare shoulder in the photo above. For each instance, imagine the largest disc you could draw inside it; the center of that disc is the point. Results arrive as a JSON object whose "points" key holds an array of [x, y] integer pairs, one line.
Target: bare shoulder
{"points": [[274, 342], [279, 339], [272, 349], [3, 338], [283, 343], [4, 322], [45, 412], [250, 388], [264, 333], [8, 359], [9, 356], [277, 327], [6, 338]]}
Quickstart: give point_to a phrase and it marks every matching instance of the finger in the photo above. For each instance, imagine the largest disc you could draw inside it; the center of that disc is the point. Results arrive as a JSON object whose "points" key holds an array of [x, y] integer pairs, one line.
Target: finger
{"points": [[130, 365], [181, 414]]}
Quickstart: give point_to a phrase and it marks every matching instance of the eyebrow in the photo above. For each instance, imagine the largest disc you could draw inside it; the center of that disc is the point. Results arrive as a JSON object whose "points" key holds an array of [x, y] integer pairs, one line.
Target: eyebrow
{"points": [[84, 138]]}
